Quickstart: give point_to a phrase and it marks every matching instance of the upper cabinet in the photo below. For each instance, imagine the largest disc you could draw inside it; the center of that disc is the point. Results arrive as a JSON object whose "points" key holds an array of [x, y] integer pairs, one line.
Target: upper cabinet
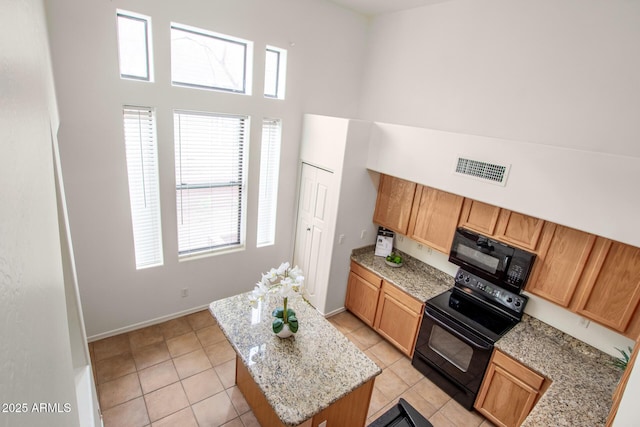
{"points": [[518, 229], [434, 217], [562, 256], [609, 290], [394, 202], [480, 217]]}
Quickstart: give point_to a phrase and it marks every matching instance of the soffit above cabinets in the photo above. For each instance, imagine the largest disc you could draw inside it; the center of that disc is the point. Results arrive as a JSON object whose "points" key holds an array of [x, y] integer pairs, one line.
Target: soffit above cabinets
{"points": [[377, 7]]}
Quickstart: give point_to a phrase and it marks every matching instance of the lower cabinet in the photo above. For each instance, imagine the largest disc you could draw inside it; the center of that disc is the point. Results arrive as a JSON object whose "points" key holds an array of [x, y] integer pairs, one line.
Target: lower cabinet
{"points": [[391, 312], [398, 318], [509, 391]]}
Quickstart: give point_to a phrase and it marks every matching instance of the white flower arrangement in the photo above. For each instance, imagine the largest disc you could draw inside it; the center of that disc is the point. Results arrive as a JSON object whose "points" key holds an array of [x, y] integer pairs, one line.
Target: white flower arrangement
{"points": [[283, 281]]}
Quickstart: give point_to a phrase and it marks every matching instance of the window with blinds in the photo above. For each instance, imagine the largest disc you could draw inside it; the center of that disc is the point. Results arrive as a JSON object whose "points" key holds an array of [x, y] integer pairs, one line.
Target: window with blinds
{"points": [[269, 172], [275, 67], [210, 180], [134, 47], [207, 60], [144, 194]]}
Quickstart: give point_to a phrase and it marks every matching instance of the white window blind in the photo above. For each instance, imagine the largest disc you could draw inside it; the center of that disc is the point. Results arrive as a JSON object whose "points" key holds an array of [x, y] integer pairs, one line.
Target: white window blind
{"points": [[144, 194], [203, 59], [210, 174], [134, 47], [269, 171]]}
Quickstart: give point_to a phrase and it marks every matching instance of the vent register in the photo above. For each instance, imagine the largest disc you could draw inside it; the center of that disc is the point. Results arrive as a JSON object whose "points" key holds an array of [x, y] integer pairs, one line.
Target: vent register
{"points": [[483, 171]]}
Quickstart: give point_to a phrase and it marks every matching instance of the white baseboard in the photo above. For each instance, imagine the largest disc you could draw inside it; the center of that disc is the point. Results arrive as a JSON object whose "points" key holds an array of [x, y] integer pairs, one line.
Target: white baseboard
{"points": [[145, 324], [334, 312]]}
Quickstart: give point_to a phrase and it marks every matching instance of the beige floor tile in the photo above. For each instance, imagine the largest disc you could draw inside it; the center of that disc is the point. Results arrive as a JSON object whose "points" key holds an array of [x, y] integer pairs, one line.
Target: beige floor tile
{"points": [[215, 410], [238, 400], [183, 344], [384, 409], [459, 416], [405, 370], [220, 352], [158, 376], [129, 414], [112, 346], [440, 420], [202, 385], [114, 367], [487, 423], [346, 322], [249, 420], [201, 319], [378, 401], [175, 327], [165, 401], [192, 363], [431, 393], [236, 422], [367, 336], [390, 384], [118, 391], [210, 335], [145, 337], [386, 353], [375, 359], [227, 373], [182, 418], [151, 355], [419, 403]]}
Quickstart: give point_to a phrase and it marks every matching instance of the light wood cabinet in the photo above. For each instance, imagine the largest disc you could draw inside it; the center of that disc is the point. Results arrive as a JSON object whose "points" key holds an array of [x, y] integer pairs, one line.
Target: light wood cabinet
{"points": [[363, 292], [479, 216], [509, 391], [609, 290], [435, 217], [398, 318], [393, 204], [518, 229], [391, 312], [562, 256]]}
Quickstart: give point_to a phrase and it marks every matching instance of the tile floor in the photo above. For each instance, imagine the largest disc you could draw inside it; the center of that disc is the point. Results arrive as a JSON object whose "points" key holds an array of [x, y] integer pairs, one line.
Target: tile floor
{"points": [[181, 373]]}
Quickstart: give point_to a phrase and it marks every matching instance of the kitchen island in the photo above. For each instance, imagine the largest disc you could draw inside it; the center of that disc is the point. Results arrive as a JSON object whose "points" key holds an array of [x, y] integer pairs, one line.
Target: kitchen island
{"points": [[317, 375]]}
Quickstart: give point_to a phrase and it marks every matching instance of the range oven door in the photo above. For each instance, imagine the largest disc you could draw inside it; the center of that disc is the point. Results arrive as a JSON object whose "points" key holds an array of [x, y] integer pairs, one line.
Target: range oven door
{"points": [[451, 357]]}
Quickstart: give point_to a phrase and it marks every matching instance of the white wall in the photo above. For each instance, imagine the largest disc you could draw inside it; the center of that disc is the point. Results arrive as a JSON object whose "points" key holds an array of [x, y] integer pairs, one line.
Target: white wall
{"points": [[36, 362], [558, 72], [325, 48]]}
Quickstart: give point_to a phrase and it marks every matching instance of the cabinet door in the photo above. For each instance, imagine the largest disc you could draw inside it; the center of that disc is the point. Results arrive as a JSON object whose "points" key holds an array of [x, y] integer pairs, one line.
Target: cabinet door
{"points": [[562, 257], [398, 318], [393, 205], [508, 392], [518, 229], [362, 293], [435, 217], [610, 288], [480, 217]]}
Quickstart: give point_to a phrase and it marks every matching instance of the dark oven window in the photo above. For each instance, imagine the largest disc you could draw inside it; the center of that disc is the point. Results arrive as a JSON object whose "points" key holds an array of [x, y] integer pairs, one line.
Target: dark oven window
{"points": [[474, 257], [451, 348]]}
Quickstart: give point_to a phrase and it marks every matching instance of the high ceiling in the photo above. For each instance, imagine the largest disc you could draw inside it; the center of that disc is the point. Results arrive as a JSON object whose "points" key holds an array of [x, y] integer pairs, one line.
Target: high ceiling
{"points": [[376, 7]]}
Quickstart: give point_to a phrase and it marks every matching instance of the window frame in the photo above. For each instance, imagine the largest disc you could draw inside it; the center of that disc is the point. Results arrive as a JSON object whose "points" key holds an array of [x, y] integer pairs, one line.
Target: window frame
{"points": [[247, 64], [268, 187], [281, 73], [148, 44], [241, 184]]}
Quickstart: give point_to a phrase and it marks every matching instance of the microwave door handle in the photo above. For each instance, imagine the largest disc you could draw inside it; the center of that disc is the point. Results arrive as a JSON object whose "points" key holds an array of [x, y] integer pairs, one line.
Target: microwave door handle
{"points": [[507, 261]]}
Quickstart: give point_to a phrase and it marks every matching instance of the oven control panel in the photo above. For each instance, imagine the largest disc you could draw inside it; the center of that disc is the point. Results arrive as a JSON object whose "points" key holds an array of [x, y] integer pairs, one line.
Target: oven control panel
{"points": [[490, 291]]}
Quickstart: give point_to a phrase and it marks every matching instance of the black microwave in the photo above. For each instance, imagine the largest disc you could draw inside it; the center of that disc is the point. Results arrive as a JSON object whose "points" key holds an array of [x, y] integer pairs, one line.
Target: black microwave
{"points": [[497, 262]]}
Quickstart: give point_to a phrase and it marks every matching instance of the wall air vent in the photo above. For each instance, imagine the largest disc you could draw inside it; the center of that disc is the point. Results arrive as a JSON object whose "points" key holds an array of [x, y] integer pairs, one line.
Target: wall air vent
{"points": [[484, 171]]}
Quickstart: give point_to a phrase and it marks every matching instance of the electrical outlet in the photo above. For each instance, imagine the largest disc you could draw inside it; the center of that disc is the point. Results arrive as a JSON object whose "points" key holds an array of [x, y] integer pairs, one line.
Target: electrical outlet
{"points": [[341, 239], [420, 247], [400, 238], [185, 292], [584, 322], [363, 234]]}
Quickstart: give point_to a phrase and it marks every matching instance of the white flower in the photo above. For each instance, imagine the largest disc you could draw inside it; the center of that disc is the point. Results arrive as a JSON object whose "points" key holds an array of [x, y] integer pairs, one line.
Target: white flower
{"points": [[283, 281]]}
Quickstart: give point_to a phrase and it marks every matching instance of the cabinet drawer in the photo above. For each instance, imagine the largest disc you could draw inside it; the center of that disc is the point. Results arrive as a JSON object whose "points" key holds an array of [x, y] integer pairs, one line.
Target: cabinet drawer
{"points": [[524, 374], [411, 303], [367, 275]]}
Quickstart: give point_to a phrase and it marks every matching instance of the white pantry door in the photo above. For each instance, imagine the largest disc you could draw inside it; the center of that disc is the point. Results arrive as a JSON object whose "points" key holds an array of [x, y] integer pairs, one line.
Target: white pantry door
{"points": [[312, 251]]}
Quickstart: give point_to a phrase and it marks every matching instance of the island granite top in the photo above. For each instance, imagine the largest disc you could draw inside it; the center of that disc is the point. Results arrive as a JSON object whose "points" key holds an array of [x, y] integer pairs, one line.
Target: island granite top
{"points": [[583, 378], [300, 375]]}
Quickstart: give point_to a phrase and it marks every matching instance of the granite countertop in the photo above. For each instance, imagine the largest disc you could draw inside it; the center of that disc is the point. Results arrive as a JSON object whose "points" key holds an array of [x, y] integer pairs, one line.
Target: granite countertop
{"points": [[301, 375], [416, 278], [583, 378]]}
